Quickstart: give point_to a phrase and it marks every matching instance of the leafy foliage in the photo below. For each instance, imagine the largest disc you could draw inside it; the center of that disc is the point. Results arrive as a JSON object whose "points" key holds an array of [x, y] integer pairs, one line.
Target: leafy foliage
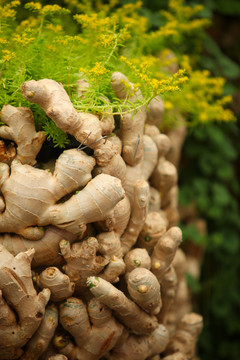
{"points": [[95, 39]]}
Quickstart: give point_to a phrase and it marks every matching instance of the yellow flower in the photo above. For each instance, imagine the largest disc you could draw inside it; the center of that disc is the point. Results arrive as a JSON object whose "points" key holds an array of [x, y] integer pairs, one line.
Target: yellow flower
{"points": [[98, 69], [83, 70], [15, 3], [53, 9], [168, 105], [56, 28], [106, 39], [8, 55], [203, 117], [7, 11], [34, 6], [92, 21], [23, 40]]}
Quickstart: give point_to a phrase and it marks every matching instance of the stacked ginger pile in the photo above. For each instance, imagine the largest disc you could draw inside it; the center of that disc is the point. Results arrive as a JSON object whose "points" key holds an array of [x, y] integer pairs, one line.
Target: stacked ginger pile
{"points": [[90, 265]]}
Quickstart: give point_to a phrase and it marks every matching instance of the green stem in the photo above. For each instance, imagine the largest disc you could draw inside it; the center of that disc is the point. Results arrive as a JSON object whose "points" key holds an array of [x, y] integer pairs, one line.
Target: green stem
{"points": [[112, 52], [41, 26]]}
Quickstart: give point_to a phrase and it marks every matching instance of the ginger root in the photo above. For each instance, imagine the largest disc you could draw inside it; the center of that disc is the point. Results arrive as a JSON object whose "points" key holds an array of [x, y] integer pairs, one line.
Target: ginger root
{"points": [[125, 310], [94, 329], [82, 261], [144, 289], [153, 229], [58, 283], [155, 111], [118, 219], [138, 215], [164, 251], [168, 293], [132, 126], [17, 292], [110, 247], [185, 338], [46, 249], [29, 193], [20, 129], [39, 191], [42, 337], [137, 258], [141, 347]]}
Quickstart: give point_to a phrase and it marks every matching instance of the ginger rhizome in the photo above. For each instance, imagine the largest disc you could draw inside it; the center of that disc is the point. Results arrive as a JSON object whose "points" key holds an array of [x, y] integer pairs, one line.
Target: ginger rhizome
{"points": [[125, 309], [94, 328], [58, 283], [144, 289], [132, 127], [96, 234], [72, 171], [141, 347], [17, 293], [20, 129], [42, 337]]}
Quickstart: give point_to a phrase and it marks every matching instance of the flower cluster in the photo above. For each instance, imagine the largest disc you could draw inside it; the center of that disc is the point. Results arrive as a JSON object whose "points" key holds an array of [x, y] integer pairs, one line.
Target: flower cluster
{"points": [[8, 55], [201, 98], [98, 70], [8, 10], [157, 86], [47, 9]]}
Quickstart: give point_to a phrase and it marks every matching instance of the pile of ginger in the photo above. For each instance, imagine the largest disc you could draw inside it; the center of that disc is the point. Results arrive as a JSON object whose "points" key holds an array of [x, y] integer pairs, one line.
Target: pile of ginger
{"points": [[90, 264]]}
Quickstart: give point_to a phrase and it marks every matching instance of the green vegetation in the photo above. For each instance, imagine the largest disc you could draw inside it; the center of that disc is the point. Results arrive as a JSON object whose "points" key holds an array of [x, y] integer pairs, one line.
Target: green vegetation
{"points": [[94, 40]]}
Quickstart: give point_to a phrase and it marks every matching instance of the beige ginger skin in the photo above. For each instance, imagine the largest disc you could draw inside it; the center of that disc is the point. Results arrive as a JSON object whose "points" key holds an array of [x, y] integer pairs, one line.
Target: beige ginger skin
{"points": [[110, 247], [20, 128], [94, 328], [144, 289], [18, 293], [168, 293], [42, 337], [40, 207], [125, 309], [155, 111], [141, 347], [82, 261], [138, 215], [153, 229], [185, 338], [137, 258], [176, 356], [164, 251], [143, 170], [162, 141], [58, 283], [118, 219], [132, 126], [46, 249]]}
